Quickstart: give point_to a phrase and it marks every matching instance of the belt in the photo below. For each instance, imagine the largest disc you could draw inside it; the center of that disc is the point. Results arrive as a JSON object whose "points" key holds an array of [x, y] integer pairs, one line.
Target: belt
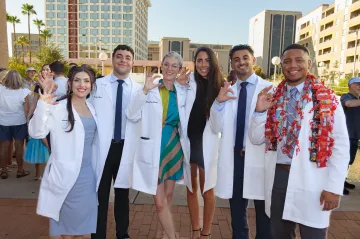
{"points": [[284, 166], [113, 141], [242, 152]]}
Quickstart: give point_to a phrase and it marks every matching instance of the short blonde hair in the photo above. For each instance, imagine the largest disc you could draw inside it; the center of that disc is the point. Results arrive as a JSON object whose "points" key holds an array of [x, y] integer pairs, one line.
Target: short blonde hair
{"points": [[13, 80]]}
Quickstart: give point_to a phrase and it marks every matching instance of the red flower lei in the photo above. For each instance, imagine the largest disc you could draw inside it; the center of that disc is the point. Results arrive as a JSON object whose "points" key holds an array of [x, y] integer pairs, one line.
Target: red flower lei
{"points": [[325, 104]]}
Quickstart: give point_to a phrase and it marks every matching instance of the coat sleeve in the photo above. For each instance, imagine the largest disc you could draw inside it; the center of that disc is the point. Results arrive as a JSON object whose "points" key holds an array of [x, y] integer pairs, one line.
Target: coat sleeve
{"points": [[39, 125], [135, 107], [339, 160], [216, 119], [257, 128]]}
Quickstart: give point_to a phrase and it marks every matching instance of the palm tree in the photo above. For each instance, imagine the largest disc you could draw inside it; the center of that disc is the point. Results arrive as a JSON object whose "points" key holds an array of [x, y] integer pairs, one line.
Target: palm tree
{"points": [[13, 20], [46, 34], [39, 24], [22, 41], [28, 10]]}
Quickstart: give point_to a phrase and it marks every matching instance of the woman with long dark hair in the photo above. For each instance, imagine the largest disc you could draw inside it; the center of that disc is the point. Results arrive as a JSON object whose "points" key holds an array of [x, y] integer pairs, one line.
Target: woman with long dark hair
{"points": [[68, 191], [202, 142]]}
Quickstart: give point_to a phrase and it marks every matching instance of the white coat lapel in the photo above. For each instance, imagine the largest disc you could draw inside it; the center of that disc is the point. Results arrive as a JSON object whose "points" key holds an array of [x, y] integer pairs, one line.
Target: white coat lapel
{"points": [[193, 88], [235, 89], [107, 85], [92, 112]]}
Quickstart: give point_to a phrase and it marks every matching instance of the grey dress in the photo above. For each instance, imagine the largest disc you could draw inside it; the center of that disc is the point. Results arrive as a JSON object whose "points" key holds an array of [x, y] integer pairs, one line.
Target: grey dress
{"points": [[78, 214]]}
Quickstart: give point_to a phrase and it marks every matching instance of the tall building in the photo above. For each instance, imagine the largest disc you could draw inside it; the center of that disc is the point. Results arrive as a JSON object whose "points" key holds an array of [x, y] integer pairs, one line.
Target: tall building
{"points": [[35, 38], [84, 28], [270, 32], [187, 49], [330, 32], [4, 53]]}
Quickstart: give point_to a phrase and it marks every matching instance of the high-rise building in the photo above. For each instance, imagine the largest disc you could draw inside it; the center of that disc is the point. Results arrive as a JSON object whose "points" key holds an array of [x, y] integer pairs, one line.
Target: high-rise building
{"points": [[330, 33], [84, 28], [270, 32], [3, 37], [35, 38]]}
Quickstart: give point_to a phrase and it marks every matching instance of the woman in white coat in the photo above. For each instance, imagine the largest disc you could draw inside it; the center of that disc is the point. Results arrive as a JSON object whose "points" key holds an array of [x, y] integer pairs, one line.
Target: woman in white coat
{"points": [[158, 162], [68, 188], [201, 141]]}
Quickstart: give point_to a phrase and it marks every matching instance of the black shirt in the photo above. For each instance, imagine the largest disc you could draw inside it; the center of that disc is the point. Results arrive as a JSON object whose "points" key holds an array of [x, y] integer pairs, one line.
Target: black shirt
{"points": [[352, 115]]}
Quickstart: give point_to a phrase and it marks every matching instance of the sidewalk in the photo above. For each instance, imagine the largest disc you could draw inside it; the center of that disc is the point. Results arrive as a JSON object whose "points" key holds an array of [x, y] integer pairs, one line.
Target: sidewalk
{"points": [[19, 221]]}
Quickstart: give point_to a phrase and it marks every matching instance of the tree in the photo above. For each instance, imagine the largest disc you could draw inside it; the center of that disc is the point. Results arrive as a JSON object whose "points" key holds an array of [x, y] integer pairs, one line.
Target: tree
{"points": [[28, 10], [22, 41], [39, 24], [259, 71], [16, 64], [45, 34], [48, 54], [13, 20]]}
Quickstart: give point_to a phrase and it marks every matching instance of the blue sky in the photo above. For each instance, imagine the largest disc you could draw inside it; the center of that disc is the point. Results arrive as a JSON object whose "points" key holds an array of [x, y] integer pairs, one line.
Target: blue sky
{"points": [[203, 21]]}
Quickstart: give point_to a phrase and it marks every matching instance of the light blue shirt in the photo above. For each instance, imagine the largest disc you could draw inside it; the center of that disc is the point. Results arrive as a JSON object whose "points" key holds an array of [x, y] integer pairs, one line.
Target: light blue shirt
{"points": [[125, 100]]}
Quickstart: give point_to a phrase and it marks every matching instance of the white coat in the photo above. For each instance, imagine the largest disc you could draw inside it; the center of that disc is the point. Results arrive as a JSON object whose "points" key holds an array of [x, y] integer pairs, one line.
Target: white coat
{"points": [[222, 121], [210, 143], [63, 167], [147, 110], [306, 180], [102, 100]]}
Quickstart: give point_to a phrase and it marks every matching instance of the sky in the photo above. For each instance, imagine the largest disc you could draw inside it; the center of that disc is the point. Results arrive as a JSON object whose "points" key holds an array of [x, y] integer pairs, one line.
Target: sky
{"points": [[202, 21]]}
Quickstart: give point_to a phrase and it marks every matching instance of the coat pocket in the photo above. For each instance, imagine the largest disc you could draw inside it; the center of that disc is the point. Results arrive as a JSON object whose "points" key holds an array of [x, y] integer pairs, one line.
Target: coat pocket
{"points": [[145, 151]]}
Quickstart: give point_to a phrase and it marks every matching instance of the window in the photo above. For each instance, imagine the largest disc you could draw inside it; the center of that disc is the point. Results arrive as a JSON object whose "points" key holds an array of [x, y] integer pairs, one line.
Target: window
{"points": [[61, 0], [116, 16], [94, 8], [128, 17], [128, 24], [105, 1], [50, 23], [61, 7], [50, 6], [275, 46], [116, 40], [50, 0], [105, 32], [93, 39], [105, 24], [116, 8], [105, 8], [83, 31], [94, 31], [83, 1], [83, 15], [127, 39], [116, 1], [127, 8], [116, 32], [288, 30], [94, 15], [105, 39], [83, 24], [83, 39], [61, 38], [127, 32], [94, 1], [61, 23], [61, 15], [116, 24], [94, 24], [105, 16], [128, 1], [50, 15], [61, 30], [52, 30], [83, 8]]}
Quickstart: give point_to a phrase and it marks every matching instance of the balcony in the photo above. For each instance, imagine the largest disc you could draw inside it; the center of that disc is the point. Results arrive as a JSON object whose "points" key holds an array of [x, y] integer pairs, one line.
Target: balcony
{"points": [[324, 29], [304, 36], [355, 5], [304, 25], [328, 12]]}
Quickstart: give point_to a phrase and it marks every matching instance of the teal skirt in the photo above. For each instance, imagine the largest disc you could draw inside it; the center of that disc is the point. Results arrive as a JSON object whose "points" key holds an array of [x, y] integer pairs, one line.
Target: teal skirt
{"points": [[36, 152]]}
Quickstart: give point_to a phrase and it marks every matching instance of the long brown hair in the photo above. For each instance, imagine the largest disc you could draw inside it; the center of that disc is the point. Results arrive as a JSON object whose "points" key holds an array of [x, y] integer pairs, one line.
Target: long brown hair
{"points": [[214, 78], [74, 70], [12, 80]]}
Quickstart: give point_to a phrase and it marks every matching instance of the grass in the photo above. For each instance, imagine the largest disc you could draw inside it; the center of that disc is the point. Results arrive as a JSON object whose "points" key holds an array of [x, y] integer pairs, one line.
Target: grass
{"points": [[354, 172]]}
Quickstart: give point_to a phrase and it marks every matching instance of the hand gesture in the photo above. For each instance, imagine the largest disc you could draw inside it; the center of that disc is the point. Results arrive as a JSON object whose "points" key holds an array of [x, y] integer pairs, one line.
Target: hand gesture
{"points": [[47, 97], [223, 94], [264, 100], [149, 82], [46, 82], [329, 200], [183, 78]]}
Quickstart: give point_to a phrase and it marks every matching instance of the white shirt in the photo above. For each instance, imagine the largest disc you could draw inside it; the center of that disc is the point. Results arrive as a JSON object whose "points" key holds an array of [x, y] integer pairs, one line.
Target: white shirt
{"points": [[125, 100], [61, 82], [12, 106]]}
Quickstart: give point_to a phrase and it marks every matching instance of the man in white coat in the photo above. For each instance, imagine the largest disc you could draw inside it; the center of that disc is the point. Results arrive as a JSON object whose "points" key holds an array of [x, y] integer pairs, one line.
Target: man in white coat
{"points": [[110, 99], [232, 118], [302, 130]]}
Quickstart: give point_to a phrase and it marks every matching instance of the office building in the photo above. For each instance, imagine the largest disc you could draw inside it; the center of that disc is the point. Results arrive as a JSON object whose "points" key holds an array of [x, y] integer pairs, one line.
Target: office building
{"points": [[4, 52], [330, 33], [270, 32], [34, 43], [84, 28]]}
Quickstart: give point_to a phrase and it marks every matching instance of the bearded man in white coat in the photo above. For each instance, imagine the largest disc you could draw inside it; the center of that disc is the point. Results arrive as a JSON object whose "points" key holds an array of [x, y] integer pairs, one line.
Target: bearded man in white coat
{"points": [[302, 130]]}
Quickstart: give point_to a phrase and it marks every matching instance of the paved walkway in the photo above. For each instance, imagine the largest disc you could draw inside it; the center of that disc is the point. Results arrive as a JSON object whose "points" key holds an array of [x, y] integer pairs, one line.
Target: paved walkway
{"points": [[19, 221]]}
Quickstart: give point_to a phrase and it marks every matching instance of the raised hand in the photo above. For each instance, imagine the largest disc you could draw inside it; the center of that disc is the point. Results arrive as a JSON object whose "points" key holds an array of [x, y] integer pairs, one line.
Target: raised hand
{"points": [[184, 77], [149, 82], [46, 82], [264, 100], [47, 97], [223, 94]]}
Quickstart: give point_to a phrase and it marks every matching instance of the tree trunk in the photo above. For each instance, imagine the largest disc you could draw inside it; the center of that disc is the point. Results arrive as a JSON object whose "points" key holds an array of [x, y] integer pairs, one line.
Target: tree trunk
{"points": [[23, 53], [14, 50], [39, 40], [29, 36]]}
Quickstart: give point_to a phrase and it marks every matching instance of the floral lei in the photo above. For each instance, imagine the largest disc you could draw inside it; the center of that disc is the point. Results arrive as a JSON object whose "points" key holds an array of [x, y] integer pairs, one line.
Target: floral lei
{"points": [[325, 104]]}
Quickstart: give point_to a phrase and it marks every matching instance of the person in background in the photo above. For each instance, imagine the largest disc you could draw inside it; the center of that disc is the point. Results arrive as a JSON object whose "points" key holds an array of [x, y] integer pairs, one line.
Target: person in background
{"points": [[71, 65], [351, 105], [29, 80], [37, 152], [58, 69], [14, 106]]}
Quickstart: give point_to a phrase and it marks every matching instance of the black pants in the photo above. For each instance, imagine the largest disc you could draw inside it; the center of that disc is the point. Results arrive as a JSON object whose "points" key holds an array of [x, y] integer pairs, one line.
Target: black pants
{"points": [[283, 229], [121, 204], [238, 206], [353, 150]]}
